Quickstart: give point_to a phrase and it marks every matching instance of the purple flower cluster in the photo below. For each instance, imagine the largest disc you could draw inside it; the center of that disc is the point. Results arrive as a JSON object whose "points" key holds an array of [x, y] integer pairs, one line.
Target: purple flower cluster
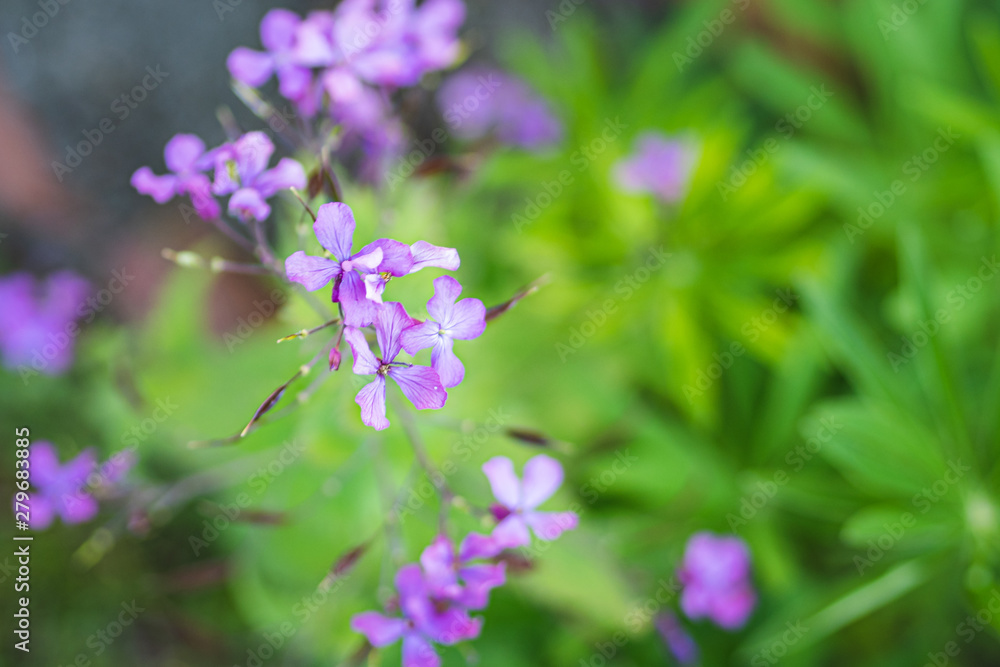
{"points": [[240, 169], [435, 597], [478, 101], [359, 280], [660, 166], [348, 60], [38, 320], [715, 573], [66, 490]]}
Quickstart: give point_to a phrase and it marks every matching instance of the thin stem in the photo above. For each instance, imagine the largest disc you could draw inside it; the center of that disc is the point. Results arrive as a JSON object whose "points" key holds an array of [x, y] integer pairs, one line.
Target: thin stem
{"points": [[191, 260], [435, 475], [232, 234]]}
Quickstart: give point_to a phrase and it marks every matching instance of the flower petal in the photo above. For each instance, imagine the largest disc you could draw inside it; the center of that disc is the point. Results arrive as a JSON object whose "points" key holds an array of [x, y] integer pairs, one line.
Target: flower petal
{"points": [[248, 204], [396, 257], [425, 255], [506, 487], [359, 311], [380, 630], [334, 228], [250, 67], [371, 399], [418, 652], [550, 525], [466, 320], [446, 291], [420, 336], [42, 513], [182, 152], [477, 545], [438, 563], [479, 581], [374, 287], [288, 173], [542, 476], [77, 507], [365, 261], [390, 322], [277, 29], [43, 462], [311, 272], [365, 362], [449, 368], [160, 188], [253, 151], [421, 385], [511, 533]]}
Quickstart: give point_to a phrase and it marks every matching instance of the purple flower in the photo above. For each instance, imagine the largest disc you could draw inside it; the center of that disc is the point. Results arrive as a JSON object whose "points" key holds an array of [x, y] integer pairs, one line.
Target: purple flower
{"points": [[716, 576], [426, 617], [464, 320], [241, 169], [676, 638], [478, 101], [408, 41], [518, 500], [38, 320], [334, 228], [279, 34], [60, 488], [420, 384], [187, 161], [456, 577], [660, 166]]}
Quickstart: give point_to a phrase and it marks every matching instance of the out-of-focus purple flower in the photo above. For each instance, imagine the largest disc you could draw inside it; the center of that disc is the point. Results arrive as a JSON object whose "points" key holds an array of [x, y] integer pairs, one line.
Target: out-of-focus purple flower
{"points": [[60, 489], [241, 169], [38, 320], [420, 384], [660, 166], [450, 319], [187, 161], [334, 228], [677, 639], [715, 573], [477, 101], [279, 34], [518, 500], [456, 577], [426, 618]]}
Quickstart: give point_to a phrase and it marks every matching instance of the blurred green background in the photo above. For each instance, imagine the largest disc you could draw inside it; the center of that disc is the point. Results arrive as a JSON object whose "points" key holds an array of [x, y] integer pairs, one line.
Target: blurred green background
{"points": [[812, 363]]}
